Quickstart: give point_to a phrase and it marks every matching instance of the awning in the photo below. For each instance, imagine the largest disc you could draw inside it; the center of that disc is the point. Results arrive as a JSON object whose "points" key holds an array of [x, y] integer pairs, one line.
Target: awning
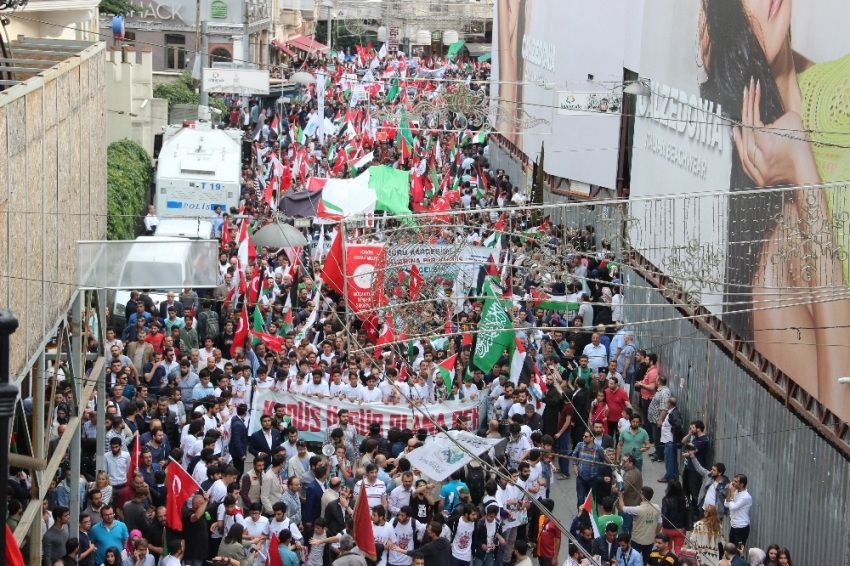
{"points": [[478, 49], [283, 48], [308, 44], [454, 49]]}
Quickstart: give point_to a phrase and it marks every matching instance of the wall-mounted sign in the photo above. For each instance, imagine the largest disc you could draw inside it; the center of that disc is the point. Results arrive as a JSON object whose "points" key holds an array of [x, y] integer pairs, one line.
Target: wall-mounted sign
{"points": [[236, 81], [592, 102], [218, 9]]}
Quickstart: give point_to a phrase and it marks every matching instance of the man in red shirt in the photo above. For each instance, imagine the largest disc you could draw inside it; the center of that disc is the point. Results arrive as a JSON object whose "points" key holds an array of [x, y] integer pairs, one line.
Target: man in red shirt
{"points": [[617, 400], [649, 384], [155, 337], [549, 537]]}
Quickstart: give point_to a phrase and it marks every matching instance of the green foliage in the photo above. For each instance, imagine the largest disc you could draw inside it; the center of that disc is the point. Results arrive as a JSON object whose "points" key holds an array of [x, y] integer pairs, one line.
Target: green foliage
{"points": [[116, 7], [343, 38], [128, 178], [182, 92]]}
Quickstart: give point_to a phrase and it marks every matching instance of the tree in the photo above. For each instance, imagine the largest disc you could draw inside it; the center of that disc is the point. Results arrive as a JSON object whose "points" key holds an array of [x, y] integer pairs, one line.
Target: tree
{"points": [[343, 38], [129, 173], [116, 7], [182, 91]]}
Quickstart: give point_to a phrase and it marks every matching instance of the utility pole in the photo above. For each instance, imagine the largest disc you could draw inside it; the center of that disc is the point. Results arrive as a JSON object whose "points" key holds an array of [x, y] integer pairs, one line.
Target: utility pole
{"points": [[330, 31], [246, 45], [205, 41]]}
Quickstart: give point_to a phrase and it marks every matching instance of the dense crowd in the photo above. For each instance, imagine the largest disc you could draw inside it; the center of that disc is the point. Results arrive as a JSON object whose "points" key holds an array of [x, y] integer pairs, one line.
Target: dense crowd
{"points": [[583, 404]]}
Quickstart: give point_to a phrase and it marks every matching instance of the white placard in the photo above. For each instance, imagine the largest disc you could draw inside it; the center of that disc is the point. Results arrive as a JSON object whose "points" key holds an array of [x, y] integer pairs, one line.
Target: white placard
{"points": [[236, 81]]}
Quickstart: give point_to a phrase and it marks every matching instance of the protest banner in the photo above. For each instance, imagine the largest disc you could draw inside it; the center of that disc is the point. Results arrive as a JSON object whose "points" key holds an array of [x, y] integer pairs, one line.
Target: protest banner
{"points": [[440, 457], [313, 416]]}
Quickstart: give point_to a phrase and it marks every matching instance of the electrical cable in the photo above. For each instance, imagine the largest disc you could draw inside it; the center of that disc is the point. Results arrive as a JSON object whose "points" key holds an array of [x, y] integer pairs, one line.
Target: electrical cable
{"points": [[730, 123]]}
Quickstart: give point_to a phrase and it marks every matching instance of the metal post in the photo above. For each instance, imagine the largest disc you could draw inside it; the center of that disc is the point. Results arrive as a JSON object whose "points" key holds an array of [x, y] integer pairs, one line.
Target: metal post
{"points": [[246, 45], [101, 386], [205, 97], [330, 31], [77, 354], [8, 395], [345, 285]]}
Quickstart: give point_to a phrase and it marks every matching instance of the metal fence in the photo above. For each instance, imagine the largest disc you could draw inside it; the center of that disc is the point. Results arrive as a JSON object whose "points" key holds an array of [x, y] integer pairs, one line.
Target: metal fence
{"points": [[800, 484]]}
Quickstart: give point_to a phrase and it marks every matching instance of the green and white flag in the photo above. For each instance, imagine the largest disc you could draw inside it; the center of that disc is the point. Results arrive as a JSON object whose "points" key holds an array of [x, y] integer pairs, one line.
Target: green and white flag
{"points": [[495, 333]]}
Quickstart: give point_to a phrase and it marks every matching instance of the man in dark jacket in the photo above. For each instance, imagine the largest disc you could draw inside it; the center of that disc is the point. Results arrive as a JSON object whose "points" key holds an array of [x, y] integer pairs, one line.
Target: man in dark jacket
{"points": [[168, 418], [261, 445], [239, 438], [606, 546], [480, 545]]}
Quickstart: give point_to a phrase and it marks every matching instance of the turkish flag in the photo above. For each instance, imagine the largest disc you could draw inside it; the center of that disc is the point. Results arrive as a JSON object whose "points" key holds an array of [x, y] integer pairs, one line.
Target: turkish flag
{"points": [[181, 486], [273, 343], [274, 554], [332, 273], [13, 552], [415, 283], [242, 329], [362, 533], [135, 455]]}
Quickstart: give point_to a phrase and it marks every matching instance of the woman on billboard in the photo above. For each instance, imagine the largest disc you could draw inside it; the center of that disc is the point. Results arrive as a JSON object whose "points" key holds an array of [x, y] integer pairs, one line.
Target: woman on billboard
{"points": [[514, 17], [751, 69]]}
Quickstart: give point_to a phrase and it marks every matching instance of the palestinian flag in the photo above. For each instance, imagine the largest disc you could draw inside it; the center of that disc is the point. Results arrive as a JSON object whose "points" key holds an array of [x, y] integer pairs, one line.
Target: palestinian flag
{"points": [[549, 302], [404, 140], [539, 230], [392, 93], [590, 507], [287, 322], [329, 211], [447, 371], [480, 137]]}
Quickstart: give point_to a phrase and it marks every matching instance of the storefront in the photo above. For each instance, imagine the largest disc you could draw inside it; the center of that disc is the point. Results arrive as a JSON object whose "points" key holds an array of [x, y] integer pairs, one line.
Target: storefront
{"points": [[170, 29]]}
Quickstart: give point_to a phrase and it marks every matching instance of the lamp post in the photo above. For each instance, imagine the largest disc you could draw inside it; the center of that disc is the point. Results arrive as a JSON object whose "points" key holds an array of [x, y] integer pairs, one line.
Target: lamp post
{"points": [[8, 395]]}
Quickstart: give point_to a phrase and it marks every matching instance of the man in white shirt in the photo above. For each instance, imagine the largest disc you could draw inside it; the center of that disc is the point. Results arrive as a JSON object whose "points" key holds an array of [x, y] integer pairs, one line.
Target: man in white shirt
{"points": [[375, 489], [393, 391], [117, 462], [318, 387], [421, 392], [407, 532], [353, 391], [462, 541], [739, 502], [597, 355], [371, 394], [400, 496]]}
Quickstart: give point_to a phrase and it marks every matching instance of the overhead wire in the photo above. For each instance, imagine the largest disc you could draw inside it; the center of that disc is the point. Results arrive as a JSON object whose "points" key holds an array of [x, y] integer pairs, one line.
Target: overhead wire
{"points": [[730, 123]]}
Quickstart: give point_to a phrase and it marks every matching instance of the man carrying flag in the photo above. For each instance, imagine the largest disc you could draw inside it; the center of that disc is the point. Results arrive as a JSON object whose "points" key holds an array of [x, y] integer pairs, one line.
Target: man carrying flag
{"points": [[190, 521]]}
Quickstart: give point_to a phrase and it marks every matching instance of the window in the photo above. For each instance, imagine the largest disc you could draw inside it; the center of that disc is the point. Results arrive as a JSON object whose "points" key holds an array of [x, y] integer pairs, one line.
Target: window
{"points": [[175, 51], [129, 37], [221, 55]]}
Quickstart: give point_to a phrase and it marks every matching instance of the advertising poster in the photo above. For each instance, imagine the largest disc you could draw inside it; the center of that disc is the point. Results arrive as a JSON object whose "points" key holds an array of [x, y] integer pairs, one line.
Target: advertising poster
{"points": [[313, 416], [561, 61], [754, 95]]}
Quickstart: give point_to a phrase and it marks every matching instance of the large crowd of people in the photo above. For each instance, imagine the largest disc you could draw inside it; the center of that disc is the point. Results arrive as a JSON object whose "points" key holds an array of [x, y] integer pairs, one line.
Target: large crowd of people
{"points": [[585, 405]]}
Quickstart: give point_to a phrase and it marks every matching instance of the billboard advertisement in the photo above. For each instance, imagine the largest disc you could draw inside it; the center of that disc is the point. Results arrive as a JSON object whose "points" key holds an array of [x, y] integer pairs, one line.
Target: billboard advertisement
{"points": [[754, 95], [562, 61]]}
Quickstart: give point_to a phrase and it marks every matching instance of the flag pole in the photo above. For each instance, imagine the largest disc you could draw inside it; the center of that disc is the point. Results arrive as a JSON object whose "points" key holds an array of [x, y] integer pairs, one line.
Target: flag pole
{"points": [[345, 285]]}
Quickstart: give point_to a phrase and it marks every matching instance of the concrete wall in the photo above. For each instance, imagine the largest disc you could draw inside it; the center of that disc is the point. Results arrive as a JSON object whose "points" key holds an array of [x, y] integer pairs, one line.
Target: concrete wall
{"points": [[52, 190], [129, 83]]}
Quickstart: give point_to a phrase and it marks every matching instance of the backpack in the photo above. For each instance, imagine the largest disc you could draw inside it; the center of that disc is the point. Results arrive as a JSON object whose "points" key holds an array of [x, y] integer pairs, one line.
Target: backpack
{"points": [[689, 556], [475, 478], [414, 524], [209, 323]]}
